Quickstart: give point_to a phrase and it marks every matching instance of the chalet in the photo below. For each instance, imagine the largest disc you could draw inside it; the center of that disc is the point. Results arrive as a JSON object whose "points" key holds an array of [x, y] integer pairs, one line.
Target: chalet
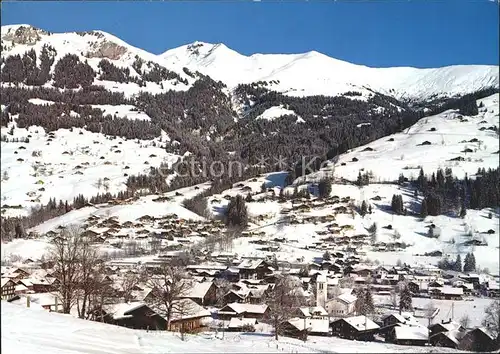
{"points": [[445, 326], [135, 315], [472, 278], [408, 335], [493, 289], [256, 269], [190, 317], [203, 294], [44, 285], [478, 340], [447, 293], [233, 296], [90, 234], [242, 310], [358, 328], [447, 339], [8, 289], [301, 327], [312, 312]]}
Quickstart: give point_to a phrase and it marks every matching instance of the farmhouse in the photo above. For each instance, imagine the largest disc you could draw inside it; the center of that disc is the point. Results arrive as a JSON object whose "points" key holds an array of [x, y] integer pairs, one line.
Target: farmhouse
{"points": [[358, 328], [242, 310], [189, 318], [8, 288]]}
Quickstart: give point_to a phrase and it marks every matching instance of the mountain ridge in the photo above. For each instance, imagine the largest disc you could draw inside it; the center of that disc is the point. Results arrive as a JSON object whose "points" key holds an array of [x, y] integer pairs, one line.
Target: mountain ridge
{"points": [[303, 74]]}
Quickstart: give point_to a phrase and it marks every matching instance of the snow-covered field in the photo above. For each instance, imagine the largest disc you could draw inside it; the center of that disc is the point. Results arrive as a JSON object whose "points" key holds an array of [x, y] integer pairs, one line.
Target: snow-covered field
{"points": [[71, 163], [449, 136], [32, 330]]}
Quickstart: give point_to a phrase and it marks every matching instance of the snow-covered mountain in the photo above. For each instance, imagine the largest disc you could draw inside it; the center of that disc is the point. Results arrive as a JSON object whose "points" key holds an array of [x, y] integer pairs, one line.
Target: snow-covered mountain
{"points": [[314, 73], [303, 74]]}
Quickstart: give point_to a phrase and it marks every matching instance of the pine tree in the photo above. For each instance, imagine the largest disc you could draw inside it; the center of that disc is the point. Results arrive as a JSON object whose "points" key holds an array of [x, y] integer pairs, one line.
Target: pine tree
{"points": [[370, 209], [405, 299], [236, 213], [463, 210], [324, 188], [457, 266], [469, 263], [369, 306], [327, 256], [364, 208], [423, 209]]}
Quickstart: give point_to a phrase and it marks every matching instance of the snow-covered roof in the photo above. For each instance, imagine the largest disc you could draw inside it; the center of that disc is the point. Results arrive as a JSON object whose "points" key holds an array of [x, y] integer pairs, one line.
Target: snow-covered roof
{"points": [[411, 332], [315, 325], [361, 323], [313, 311], [251, 308], [120, 311], [198, 290], [250, 263], [5, 281], [347, 298], [187, 308], [448, 326]]}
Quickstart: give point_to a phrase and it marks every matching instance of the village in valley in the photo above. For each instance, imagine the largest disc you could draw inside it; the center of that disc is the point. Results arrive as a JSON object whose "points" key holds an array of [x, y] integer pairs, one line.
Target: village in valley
{"points": [[203, 200], [198, 275]]}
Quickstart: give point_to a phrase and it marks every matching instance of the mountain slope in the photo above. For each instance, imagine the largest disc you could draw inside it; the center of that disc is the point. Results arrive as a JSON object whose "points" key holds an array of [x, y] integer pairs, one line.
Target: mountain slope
{"points": [[314, 73], [302, 74]]}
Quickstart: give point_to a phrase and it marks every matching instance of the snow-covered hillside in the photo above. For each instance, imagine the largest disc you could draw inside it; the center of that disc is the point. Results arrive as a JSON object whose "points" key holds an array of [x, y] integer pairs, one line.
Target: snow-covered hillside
{"points": [[314, 73], [30, 330], [67, 163], [90, 47], [303, 74], [463, 143]]}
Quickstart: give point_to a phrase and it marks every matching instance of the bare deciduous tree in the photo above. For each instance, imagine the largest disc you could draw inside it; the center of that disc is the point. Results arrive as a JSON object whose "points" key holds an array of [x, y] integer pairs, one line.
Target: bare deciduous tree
{"points": [[127, 283], [394, 299], [77, 267], [429, 312], [492, 318], [168, 286], [465, 321], [282, 301], [223, 287]]}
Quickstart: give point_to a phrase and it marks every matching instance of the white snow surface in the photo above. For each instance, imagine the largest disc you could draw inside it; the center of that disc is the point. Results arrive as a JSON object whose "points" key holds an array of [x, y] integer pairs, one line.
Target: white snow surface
{"points": [[71, 164], [34, 330], [313, 73]]}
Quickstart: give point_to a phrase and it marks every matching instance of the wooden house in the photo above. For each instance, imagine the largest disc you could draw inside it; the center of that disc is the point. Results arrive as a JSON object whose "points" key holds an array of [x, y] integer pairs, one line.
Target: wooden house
{"points": [[403, 334], [254, 269], [445, 326], [301, 327], [447, 339], [242, 310], [358, 328], [8, 288], [478, 340], [204, 294], [135, 315], [189, 317]]}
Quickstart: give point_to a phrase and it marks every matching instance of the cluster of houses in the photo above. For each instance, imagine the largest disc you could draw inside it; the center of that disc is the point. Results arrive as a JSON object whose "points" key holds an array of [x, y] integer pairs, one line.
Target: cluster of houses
{"points": [[229, 291], [147, 234], [330, 287]]}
